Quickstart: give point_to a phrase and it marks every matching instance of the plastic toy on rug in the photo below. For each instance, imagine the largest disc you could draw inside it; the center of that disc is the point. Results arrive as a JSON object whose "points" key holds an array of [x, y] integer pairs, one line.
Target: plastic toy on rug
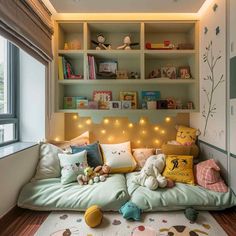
{"points": [[93, 216], [130, 211], [144, 231], [191, 214]]}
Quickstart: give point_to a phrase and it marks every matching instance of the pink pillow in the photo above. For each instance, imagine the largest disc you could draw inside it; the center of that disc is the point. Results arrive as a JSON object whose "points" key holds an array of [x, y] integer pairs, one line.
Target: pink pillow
{"points": [[207, 175], [141, 155]]}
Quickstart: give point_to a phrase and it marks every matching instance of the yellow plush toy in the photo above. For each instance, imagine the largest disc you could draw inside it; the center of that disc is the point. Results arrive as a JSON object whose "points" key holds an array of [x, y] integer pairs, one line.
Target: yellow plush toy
{"points": [[93, 216], [186, 135]]}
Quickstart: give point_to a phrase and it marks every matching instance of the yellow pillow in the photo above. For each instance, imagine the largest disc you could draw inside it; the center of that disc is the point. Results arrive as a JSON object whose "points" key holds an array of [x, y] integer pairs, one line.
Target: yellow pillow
{"points": [[186, 135], [179, 169]]}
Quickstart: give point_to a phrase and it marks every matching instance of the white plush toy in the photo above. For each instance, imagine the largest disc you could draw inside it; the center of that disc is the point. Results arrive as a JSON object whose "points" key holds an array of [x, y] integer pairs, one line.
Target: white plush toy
{"points": [[150, 175]]}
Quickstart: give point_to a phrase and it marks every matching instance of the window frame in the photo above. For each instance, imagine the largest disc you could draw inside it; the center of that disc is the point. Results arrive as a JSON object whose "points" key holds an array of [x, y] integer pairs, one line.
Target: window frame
{"points": [[12, 78]]}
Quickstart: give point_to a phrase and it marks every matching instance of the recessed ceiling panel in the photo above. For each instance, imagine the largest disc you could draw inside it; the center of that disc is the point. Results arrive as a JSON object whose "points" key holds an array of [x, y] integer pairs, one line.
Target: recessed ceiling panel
{"points": [[127, 6]]}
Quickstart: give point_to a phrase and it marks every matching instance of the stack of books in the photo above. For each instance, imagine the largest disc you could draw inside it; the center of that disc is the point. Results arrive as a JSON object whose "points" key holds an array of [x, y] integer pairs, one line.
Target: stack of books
{"points": [[65, 70]]}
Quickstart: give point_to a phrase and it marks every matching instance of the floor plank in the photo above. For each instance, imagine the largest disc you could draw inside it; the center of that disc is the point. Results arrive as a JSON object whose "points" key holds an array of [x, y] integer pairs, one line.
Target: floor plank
{"points": [[22, 222]]}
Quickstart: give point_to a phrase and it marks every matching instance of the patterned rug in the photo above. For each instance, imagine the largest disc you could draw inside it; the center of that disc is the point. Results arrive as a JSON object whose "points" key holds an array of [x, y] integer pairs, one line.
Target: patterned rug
{"points": [[152, 224]]}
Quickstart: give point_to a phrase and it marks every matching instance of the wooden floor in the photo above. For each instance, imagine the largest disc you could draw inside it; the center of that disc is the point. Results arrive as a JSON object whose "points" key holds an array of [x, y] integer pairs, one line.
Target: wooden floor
{"points": [[21, 222]]}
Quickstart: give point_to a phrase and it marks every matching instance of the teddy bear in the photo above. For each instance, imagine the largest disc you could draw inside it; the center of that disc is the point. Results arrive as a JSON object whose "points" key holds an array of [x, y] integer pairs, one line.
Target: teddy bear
{"points": [[150, 175], [90, 176]]}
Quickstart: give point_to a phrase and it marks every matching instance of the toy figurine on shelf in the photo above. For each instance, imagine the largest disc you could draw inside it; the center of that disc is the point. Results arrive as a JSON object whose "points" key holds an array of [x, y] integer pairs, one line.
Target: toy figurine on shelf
{"points": [[101, 45], [127, 44]]}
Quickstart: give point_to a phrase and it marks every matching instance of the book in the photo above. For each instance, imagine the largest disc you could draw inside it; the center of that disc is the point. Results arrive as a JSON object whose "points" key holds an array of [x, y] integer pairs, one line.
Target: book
{"points": [[130, 96], [103, 98], [147, 96], [69, 103], [60, 68]]}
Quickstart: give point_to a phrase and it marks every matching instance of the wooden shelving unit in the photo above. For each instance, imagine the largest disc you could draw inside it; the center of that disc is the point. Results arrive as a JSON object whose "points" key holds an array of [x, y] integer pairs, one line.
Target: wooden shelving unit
{"points": [[139, 59]]}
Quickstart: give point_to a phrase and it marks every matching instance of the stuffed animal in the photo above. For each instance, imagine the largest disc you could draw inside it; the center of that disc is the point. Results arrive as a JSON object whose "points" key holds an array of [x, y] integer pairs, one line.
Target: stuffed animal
{"points": [[150, 175], [101, 43], [127, 43], [90, 176]]}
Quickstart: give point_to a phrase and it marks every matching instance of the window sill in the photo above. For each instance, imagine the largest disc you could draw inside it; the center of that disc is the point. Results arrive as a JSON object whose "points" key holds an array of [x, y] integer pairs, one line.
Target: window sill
{"points": [[13, 148]]}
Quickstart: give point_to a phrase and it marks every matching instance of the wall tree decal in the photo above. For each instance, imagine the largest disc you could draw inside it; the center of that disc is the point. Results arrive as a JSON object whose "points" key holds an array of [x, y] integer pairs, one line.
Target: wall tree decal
{"points": [[209, 108]]}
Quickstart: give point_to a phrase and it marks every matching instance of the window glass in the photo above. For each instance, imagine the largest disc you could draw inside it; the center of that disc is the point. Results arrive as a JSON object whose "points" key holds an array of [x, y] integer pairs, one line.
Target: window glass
{"points": [[4, 101]]}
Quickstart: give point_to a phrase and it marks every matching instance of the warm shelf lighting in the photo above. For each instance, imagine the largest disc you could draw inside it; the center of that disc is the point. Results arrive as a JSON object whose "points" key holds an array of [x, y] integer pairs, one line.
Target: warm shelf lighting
{"points": [[142, 122], [167, 119], [131, 125], [88, 122], [106, 121], [156, 128], [75, 117]]}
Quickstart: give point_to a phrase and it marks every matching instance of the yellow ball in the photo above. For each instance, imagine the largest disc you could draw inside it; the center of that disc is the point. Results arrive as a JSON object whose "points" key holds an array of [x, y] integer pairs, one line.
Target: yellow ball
{"points": [[93, 216]]}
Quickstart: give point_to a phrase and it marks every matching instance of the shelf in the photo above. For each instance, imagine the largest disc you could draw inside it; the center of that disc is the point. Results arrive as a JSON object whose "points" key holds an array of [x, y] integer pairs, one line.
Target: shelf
{"points": [[169, 54], [127, 81], [111, 54], [133, 115]]}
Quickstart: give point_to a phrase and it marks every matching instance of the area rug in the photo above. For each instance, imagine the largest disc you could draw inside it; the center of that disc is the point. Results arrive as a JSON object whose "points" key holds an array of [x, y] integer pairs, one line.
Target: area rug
{"points": [[152, 224]]}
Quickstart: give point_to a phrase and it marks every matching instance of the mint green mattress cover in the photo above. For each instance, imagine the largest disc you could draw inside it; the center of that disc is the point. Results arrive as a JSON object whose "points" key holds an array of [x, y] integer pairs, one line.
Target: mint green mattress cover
{"points": [[50, 194], [178, 198]]}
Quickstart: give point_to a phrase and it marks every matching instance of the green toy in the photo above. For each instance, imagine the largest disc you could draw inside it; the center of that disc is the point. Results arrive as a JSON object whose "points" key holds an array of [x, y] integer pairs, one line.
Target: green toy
{"points": [[191, 214]]}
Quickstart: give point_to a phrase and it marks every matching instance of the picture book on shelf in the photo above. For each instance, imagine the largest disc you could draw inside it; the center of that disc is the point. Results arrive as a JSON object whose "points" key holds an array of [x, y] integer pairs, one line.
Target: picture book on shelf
{"points": [[103, 98], [147, 96], [130, 96]]}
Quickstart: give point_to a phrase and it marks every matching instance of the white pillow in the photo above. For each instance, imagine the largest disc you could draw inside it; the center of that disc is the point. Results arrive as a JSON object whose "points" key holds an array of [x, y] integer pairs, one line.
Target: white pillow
{"points": [[72, 165], [49, 164], [118, 157]]}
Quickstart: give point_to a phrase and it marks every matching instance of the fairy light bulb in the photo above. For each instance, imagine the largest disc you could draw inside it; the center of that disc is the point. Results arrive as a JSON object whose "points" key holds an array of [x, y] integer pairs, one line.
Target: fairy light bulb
{"points": [[123, 132], [163, 131], [142, 122], [117, 122], [156, 141], [80, 126], [110, 139], [88, 122], [56, 139], [138, 141], [75, 117], [103, 131], [144, 132], [106, 121], [167, 119], [156, 128], [131, 125]]}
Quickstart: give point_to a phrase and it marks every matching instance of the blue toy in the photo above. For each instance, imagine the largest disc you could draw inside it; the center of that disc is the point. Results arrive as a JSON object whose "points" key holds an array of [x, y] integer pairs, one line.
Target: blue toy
{"points": [[130, 211]]}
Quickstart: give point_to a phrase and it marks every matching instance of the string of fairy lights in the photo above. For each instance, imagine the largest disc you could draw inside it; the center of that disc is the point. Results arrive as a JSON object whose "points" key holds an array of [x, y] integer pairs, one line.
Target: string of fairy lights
{"points": [[142, 131]]}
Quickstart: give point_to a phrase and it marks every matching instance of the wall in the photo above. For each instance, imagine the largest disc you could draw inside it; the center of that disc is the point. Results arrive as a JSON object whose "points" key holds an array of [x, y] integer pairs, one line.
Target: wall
{"points": [[114, 130], [232, 85], [32, 99], [211, 120], [15, 171]]}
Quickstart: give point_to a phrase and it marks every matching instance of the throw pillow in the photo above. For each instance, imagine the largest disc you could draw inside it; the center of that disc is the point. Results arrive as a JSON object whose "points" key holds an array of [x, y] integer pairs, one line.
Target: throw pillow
{"points": [[118, 157], [80, 140], [207, 175], [141, 155], [94, 156], [186, 135], [49, 164], [179, 169], [72, 165]]}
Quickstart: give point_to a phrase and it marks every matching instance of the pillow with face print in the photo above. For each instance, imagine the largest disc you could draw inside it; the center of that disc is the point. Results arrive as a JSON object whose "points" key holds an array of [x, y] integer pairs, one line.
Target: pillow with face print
{"points": [[118, 157], [186, 135]]}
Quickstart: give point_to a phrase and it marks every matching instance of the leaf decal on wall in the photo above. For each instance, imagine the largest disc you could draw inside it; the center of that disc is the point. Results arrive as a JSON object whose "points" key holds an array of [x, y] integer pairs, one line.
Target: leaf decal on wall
{"points": [[205, 30], [209, 108], [217, 30], [215, 7]]}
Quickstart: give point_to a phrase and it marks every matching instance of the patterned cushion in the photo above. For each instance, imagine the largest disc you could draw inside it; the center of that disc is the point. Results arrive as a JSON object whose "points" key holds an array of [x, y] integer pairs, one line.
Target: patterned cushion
{"points": [[179, 168], [141, 155], [118, 157], [207, 175], [72, 165]]}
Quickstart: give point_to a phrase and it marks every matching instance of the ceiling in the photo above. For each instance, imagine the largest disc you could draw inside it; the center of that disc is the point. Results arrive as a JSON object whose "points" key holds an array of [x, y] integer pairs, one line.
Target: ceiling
{"points": [[127, 6]]}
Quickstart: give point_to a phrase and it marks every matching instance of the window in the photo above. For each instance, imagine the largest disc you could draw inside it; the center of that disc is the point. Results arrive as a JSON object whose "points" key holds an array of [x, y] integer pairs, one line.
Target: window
{"points": [[8, 92]]}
